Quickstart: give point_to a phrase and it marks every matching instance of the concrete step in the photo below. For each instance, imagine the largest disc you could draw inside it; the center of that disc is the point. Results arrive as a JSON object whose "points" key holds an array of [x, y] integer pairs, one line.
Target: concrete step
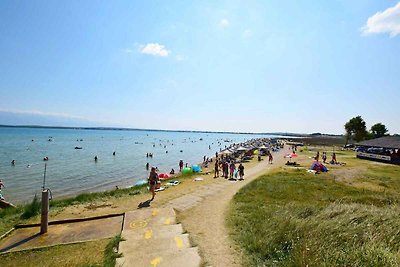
{"points": [[155, 245], [188, 257], [165, 231], [185, 202], [148, 218]]}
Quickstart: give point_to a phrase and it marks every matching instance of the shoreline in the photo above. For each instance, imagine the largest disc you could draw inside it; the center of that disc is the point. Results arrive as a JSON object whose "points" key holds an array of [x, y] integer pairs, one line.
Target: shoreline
{"points": [[129, 182]]}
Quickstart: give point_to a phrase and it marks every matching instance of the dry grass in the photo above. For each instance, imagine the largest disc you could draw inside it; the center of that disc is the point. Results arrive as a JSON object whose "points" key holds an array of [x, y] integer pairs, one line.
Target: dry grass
{"points": [[83, 254], [293, 218]]}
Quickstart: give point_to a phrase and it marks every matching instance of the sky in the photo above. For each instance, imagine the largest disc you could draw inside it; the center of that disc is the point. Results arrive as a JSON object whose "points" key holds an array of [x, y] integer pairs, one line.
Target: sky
{"points": [[247, 66]]}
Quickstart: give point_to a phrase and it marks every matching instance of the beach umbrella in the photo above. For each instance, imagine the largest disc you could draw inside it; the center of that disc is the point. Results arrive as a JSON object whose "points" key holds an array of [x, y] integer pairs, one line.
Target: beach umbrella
{"points": [[226, 151], [242, 148], [263, 147]]}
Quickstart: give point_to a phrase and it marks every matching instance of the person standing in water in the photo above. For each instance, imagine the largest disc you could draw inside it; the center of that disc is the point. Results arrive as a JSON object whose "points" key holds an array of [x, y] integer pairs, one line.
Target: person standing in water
{"points": [[180, 165], [153, 180]]}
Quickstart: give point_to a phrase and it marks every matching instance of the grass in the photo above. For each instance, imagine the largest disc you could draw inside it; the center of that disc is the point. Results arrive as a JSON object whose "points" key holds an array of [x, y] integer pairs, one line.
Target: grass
{"points": [[92, 253], [31, 209], [293, 218], [10, 217], [90, 197], [111, 254]]}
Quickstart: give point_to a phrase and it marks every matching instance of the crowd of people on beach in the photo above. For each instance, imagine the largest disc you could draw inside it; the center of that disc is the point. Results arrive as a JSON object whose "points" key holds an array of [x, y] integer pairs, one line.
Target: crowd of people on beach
{"points": [[228, 169], [225, 162]]}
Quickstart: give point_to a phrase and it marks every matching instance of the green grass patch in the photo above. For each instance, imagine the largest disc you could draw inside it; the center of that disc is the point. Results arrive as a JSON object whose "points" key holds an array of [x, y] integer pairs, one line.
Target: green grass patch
{"points": [[110, 253], [31, 209], [82, 254], [90, 197], [297, 219]]}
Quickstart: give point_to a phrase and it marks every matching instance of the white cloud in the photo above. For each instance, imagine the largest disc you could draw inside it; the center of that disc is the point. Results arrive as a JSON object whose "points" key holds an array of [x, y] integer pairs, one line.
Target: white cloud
{"points": [[155, 49], [224, 23], [387, 21]]}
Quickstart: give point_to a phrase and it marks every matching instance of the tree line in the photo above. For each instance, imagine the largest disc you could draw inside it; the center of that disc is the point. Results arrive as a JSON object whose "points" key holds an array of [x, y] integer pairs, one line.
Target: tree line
{"points": [[356, 130]]}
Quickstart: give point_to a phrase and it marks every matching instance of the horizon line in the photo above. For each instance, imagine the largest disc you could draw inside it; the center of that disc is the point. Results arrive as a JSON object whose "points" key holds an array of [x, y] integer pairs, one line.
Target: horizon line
{"points": [[164, 130]]}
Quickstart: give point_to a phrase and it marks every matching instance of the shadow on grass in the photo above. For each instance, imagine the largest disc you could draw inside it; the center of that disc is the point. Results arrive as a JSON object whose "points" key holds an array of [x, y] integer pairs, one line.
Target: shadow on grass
{"points": [[145, 204], [21, 242]]}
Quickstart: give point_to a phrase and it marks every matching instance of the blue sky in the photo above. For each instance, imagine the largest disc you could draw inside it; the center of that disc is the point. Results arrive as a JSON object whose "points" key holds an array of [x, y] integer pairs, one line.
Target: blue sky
{"points": [[261, 66]]}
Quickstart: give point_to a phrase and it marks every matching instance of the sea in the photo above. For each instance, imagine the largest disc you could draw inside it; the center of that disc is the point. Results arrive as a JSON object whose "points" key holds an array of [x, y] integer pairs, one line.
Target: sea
{"points": [[69, 171]]}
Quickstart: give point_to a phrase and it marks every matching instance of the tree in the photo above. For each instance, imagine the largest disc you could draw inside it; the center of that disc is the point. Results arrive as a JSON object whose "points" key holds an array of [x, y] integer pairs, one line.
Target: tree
{"points": [[378, 130], [356, 129]]}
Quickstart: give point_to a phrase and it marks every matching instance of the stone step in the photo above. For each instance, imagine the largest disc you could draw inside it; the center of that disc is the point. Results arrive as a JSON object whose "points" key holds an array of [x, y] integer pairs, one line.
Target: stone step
{"points": [[188, 257], [148, 218], [165, 231]]}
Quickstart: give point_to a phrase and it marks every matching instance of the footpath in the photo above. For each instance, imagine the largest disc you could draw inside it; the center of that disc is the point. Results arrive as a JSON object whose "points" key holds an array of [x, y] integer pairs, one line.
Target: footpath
{"points": [[156, 236]]}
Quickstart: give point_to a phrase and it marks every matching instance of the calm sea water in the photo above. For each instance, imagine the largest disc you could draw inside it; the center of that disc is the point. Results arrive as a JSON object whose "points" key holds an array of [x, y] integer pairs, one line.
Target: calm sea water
{"points": [[71, 171]]}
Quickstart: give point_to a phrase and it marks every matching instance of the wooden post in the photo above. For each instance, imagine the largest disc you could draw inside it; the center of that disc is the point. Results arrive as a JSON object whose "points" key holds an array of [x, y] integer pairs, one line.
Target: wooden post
{"points": [[45, 212]]}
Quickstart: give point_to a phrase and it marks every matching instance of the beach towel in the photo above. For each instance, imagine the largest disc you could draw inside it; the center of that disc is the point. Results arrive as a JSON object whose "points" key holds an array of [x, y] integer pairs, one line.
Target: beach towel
{"points": [[172, 183], [159, 189]]}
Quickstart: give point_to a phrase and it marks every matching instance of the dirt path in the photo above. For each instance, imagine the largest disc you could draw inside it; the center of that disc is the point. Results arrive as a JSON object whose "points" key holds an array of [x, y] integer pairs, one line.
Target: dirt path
{"points": [[206, 221]]}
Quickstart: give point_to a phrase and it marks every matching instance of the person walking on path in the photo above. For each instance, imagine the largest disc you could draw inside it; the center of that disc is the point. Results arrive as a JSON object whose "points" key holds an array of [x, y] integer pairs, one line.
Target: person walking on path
{"points": [[153, 180], [232, 169], [270, 158], [241, 171], [216, 169], [225, 168]]}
